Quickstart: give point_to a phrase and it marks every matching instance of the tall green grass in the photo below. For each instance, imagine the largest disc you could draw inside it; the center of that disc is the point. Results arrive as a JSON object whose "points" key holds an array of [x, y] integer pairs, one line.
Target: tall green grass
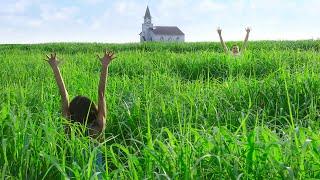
{"points": [[175, 111]]}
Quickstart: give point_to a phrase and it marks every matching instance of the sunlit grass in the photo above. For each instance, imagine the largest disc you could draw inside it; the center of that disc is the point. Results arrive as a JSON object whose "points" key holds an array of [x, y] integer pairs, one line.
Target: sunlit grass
{"points": [[175, 111]]}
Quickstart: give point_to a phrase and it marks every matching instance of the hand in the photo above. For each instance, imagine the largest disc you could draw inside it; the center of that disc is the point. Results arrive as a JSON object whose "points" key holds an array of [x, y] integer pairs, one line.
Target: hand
{"points": [[219, 30], [52, 60], [248, 29], [107, 58]]}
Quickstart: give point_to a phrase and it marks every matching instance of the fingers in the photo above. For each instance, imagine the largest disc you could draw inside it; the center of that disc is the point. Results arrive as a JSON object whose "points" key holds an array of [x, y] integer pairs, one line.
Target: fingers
{"points": [[108, 55], [52, 56], [52, 59]]}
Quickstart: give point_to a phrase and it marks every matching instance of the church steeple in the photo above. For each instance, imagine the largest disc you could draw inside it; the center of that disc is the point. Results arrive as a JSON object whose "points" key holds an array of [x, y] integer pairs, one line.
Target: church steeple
{"points": [[147, 14], [147, 26]]}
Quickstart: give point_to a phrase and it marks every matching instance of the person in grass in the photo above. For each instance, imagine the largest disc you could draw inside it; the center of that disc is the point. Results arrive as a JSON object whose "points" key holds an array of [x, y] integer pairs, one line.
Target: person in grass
{"points": [[81, 109], [235, 51]]}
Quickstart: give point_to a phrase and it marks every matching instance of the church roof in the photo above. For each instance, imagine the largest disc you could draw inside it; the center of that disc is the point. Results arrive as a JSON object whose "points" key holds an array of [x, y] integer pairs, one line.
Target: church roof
{"points": [[167, 30], [147, 14]]}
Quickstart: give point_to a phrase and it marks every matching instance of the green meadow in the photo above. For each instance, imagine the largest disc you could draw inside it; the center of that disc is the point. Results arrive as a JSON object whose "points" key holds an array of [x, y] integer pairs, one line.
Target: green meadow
{"points": [[175, 111]]}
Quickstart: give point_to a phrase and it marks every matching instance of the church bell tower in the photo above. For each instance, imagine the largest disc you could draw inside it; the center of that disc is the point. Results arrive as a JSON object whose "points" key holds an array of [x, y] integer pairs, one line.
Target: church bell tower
{"points": [[146, 26]]}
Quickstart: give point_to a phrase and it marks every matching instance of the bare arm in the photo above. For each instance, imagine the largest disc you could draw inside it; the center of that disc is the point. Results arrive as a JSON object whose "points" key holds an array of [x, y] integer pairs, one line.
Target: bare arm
{"points": [[222, 42], [102, 110], [53, 61], [245, 42]]}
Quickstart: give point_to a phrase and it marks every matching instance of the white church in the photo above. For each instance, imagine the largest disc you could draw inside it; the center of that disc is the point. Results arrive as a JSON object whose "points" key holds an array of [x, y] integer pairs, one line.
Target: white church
{"points": [[159, 33]]}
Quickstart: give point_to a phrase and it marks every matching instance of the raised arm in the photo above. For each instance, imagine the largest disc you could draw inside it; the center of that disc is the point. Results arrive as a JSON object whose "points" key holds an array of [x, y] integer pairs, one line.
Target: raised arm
{"points": [[54, 62], [245, 42], [219, 30], [105, 61]]}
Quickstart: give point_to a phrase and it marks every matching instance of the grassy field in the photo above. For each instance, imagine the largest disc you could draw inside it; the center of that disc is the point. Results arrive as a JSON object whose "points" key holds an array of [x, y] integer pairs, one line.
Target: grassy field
{"points": [[175, 111]]}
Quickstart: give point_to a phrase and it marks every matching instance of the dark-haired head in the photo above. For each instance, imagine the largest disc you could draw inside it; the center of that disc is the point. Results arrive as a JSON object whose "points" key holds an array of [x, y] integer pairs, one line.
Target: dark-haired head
{"points": [[235, 49], [83, 110]]}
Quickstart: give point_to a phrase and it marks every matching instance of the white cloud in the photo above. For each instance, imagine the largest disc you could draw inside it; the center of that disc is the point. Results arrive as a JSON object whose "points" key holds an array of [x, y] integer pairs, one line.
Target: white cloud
{"points": [[35, 23], [80, 21], [208, 5], [92, 2], [21, 5], [310, 8], [171, 4], [127, 7], [96, 25], [273, 4], [15, 6], [49, 13], [121, 7]]}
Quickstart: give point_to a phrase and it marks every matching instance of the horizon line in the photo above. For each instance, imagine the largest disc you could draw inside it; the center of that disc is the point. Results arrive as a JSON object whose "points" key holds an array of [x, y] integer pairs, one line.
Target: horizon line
{"points": [[137, 42]]}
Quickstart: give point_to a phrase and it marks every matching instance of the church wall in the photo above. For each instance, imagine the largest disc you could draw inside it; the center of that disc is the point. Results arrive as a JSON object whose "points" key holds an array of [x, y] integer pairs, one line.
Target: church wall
{"points": [[168, 38], [147, 35]]}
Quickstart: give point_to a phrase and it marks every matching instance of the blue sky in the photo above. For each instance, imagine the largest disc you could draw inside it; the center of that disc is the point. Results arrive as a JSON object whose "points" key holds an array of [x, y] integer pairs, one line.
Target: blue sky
{"points": [[37, 21]]}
